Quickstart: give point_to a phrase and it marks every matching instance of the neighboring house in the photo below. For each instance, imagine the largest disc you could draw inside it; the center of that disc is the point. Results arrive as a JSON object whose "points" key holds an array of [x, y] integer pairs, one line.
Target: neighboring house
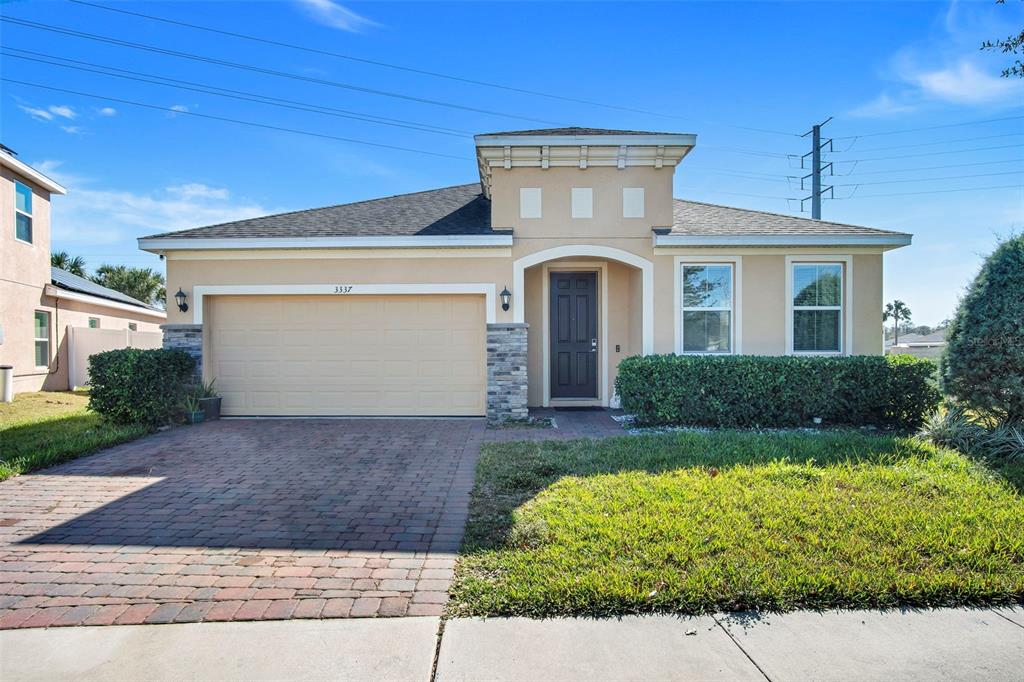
{"points": [[919, 345], [39, 303], [394, 306]]}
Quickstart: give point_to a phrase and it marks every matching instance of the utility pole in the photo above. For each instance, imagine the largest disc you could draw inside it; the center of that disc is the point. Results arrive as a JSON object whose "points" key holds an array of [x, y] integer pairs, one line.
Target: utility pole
{"points": [[816, 169]]}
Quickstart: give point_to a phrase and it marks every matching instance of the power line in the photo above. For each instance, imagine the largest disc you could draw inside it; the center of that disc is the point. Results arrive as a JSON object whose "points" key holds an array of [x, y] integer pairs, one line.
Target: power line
{"points": [[945, 177], [920, 168], [912, 156], [226, 92], [408, 69], [933, 191], [237, 121], [263, 70], [932, 144], [937, 127]]}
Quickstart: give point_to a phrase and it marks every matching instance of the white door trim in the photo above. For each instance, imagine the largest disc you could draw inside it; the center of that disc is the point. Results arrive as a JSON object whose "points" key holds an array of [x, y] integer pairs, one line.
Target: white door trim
{"points": [[602, 274], [645, 266], [488, 290]]}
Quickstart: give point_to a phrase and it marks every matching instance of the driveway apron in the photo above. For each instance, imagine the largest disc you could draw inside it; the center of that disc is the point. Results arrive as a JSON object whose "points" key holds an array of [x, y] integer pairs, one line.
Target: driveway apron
{"points": [[242, 520]]}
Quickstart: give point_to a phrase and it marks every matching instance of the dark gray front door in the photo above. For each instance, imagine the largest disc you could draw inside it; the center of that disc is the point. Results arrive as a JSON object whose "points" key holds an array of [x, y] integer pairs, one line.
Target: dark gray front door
{"points": [[573, 335]]}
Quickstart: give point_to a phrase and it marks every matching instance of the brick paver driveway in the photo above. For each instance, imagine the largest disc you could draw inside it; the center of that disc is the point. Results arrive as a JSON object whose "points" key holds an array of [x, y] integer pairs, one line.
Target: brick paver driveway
{"points": [[241, 520]]}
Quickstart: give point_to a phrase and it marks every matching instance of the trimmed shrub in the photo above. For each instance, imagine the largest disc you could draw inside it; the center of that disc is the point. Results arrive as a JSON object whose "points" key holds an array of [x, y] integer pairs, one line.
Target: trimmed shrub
{"points": [[983, 364], [761, 391], [133, 386]]}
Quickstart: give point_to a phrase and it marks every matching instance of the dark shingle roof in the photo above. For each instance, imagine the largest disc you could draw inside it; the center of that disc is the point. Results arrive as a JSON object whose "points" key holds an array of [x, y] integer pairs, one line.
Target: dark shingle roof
{"points": [[459, 210], [697, 218], [66, 280], [463, 210], [575, 131]]}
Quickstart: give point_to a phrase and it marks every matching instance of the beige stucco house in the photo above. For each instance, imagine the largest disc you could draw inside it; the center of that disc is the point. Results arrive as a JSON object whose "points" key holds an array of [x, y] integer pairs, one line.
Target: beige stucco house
{"points": [[525, 288], [39, 304]]}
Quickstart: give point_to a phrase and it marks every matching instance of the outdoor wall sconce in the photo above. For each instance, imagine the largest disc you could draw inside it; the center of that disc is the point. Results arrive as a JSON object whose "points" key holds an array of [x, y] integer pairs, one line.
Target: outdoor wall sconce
{"points": [[179, 298], [506, 296]]}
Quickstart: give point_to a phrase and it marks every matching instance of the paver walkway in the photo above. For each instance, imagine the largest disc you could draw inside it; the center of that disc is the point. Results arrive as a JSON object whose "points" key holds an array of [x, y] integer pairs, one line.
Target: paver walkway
{"points": [[241, 520]]}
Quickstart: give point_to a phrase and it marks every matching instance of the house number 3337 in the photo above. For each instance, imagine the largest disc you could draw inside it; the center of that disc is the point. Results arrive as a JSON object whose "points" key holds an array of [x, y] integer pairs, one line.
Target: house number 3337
{"points": [[343, 289]]}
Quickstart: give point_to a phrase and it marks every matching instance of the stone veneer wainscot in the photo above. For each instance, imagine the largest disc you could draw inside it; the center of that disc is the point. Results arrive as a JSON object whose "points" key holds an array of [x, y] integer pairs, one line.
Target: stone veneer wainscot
{"points": [[506, 372], [186, 337]]}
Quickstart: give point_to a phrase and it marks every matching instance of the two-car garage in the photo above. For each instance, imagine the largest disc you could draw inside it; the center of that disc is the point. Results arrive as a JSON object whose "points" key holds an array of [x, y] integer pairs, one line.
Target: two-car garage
{"points": [[360, 355]]}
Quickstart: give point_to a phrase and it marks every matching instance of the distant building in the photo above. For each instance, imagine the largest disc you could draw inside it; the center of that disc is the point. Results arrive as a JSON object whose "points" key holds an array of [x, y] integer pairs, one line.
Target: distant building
{"points": [[918, 345]]}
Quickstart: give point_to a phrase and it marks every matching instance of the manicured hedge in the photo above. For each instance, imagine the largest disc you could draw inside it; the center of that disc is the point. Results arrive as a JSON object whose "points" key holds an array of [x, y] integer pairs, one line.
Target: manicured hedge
{"points": [[756, 391], [133, 386]]}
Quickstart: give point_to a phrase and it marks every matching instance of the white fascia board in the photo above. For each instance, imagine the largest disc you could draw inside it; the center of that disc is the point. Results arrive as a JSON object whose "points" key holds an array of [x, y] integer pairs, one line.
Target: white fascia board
{"points": [[159, 244], [891, 240], [54, 291], [678, 140], [31, 173]]}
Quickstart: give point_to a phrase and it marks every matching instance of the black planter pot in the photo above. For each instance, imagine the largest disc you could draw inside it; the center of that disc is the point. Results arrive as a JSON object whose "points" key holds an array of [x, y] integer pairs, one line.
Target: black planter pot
{"points": [[210, 408]]}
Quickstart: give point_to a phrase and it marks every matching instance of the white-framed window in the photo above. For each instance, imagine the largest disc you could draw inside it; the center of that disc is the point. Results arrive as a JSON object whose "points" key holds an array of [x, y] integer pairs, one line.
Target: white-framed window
{"points": [[632, 202], [132, 327], [42, 338], [529, 202], [94, 323], [708, 304], [817, 307], [22, 212], [582, 202]]}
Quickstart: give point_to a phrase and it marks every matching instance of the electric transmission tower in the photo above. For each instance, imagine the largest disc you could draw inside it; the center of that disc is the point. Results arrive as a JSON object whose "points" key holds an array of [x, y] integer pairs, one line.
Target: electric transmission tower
{"points": [[817, 190]]}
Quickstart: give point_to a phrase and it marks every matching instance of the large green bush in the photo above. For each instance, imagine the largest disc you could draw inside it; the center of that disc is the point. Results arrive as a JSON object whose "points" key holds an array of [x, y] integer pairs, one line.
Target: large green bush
{"points": [[133, 386], [983, 364], [760, 391]]}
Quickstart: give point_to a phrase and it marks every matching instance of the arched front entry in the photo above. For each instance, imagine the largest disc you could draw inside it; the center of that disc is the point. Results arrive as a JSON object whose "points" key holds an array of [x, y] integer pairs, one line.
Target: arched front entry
{"points": [[533, 303]]}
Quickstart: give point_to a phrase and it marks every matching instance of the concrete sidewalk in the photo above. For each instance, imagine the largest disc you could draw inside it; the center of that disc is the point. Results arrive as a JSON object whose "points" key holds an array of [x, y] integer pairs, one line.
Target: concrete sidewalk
{"points": [[946, 644], [943, 644], [338, 649]]}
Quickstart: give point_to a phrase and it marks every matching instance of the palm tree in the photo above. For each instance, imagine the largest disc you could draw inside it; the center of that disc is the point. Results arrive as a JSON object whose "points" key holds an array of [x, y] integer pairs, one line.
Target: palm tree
{"points": [[896, 311], [75, 265], [143, 284]]}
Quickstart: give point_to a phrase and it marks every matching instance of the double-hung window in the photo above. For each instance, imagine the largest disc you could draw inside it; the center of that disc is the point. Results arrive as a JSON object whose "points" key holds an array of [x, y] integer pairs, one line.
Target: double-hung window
{"points": [[22, 212], [817, 307], [42, 338], [707, 314]]}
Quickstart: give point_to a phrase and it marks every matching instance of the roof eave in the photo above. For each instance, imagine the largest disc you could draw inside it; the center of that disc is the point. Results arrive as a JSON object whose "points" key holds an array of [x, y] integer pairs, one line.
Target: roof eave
{"points": [[57, 291], [32, 174], [667, 140], [886, 241], [162, 244]]}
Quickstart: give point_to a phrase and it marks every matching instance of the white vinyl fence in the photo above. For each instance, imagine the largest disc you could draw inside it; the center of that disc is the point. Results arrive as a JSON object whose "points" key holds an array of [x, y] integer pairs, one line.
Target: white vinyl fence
{"points": [[83, 342]]}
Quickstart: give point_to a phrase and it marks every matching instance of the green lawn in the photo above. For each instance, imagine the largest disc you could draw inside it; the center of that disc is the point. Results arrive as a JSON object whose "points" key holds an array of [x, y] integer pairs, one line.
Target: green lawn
{"points": [[38, 430], [698, 522]]}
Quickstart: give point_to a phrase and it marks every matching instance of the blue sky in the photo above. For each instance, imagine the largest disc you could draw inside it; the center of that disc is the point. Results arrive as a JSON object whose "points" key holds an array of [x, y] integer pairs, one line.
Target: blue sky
{"points": [[715, 69]]}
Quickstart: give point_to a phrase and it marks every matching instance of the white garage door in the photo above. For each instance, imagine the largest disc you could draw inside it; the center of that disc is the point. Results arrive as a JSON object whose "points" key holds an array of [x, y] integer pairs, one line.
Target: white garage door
{"points": [[348, 355]]}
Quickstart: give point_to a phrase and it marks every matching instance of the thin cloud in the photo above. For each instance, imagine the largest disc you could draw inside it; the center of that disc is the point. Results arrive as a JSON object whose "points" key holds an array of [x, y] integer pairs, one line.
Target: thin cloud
{"points": [[947, 68], [194, 190], [107, 111], [335, 15], [73, 130], [38, 114], [63, 111], [965, 83], [882, 106], [91, 215]]}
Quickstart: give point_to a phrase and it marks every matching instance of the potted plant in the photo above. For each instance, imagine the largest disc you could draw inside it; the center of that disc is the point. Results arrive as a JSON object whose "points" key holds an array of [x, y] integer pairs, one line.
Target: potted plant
{"points": [[209, 401], [193, 413]]}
